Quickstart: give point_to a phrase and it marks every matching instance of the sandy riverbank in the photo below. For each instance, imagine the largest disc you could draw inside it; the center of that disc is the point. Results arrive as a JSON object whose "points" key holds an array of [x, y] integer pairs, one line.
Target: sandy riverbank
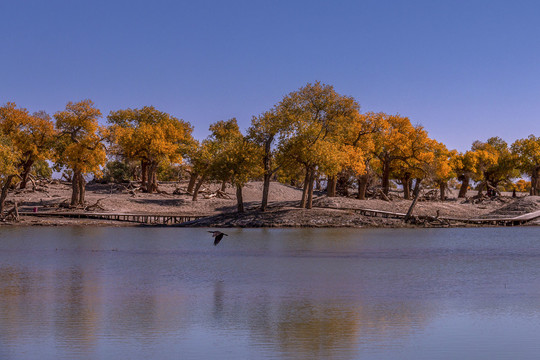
{"points": [[283, 212]]}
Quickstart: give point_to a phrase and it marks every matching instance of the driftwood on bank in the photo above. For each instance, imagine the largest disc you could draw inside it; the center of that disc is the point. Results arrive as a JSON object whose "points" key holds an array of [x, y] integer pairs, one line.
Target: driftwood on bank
{"points": [[95, 206], [207, 194], [12, 214], [379, 194], [428, 221]]}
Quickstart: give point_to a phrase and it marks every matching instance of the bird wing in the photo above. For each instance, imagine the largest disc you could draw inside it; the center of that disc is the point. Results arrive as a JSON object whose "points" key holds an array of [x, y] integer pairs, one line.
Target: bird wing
{"points": [[218, 239]]}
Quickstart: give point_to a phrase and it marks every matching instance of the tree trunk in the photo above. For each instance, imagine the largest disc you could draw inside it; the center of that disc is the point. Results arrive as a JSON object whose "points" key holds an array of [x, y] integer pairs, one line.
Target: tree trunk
{"points": [[331, 186], [267, 164], [27, 166], [239, 199], [416, 192], [197, 187], [144, 175], [442, 189], [192, 180], [4, 194], [406, 181], [535, 182], [82, 189], [154, 179], [309, 204], [481, 188], [151, 178], [266, 191], [75, 187], [223, 186], [305, 189], [464, 186], [386, 178], [362, 186]]}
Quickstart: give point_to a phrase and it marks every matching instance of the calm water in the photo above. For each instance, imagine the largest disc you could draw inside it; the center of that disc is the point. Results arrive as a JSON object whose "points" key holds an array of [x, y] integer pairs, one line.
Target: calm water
{"points": [[130, 293]]}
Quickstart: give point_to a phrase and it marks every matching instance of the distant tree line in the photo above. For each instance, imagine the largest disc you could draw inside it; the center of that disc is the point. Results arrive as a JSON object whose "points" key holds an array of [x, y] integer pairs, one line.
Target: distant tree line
{"points": [[313, 136]]}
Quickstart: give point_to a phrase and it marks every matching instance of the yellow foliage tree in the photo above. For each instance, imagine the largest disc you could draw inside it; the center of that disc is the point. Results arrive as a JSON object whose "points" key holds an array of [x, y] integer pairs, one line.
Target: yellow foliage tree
{"points": [[353, 136], [264, 131], [238, 160], [32, 135], [522, 185], [80, 145], [9, 157], [527, 152], [464, 165], [400, 145], [440, 168], [150, 136], [495, 163], [314, 115], [360, 135]]}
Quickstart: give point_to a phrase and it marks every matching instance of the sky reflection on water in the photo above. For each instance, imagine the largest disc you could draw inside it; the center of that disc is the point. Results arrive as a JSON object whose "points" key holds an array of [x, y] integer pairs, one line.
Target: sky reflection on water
{"points": [[138, 293]]}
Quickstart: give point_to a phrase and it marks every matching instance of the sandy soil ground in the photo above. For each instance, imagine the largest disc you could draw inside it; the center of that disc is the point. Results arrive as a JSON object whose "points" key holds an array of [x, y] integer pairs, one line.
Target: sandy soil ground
{"points": [[283, 212]]}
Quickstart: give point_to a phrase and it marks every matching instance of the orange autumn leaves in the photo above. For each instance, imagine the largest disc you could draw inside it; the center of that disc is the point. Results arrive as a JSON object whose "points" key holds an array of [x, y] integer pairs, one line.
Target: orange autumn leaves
{"points": [[312, 133]]}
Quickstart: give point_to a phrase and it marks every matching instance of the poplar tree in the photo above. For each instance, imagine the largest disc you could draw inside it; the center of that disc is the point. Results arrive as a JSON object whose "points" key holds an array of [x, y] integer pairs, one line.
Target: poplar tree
{"points": [[527, 152], [80, 145], [150, 136]]}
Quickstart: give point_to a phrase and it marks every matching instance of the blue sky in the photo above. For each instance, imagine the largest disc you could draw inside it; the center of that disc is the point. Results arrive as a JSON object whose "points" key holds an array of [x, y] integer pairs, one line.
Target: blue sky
{"points": [[465, 70]]}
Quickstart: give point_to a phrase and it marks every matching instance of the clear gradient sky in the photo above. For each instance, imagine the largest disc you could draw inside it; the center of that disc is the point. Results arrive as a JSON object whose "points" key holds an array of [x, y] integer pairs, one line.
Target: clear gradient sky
{"points": [[465, 70]]}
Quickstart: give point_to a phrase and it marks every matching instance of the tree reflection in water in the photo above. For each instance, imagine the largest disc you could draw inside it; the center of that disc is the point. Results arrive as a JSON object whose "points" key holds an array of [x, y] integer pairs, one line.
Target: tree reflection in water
{"points": [[312, 299]]}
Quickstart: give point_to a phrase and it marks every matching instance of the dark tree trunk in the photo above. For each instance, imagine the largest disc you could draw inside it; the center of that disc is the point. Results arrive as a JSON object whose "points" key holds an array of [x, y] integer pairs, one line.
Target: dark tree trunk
{"points": [[464, 186], [331, 186], [267, 164], [416, 192], [223, 186], [4, 194], [266, 191], [535, 182], [82, 189], [75, 188], [305, 189], [362, 186], [151, 178], [197, 187], [239, 199], [386, 178], [144, 174], [481, 187], [192, 180], [342, 183], [442, 189], [27, 166], [406, 181], [309, 204]]}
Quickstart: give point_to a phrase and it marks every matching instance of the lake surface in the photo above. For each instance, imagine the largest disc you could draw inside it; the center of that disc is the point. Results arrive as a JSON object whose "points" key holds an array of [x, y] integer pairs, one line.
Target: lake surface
{"points": [[164, 293]]}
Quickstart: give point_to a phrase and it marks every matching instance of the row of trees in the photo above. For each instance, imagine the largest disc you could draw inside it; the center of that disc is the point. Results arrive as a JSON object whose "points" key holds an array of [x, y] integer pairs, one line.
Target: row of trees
{"points": [[312, 133]]}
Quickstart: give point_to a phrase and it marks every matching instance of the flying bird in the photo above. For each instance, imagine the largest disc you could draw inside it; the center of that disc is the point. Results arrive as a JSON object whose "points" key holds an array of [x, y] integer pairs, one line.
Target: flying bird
{"points": [[218, 236]]}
